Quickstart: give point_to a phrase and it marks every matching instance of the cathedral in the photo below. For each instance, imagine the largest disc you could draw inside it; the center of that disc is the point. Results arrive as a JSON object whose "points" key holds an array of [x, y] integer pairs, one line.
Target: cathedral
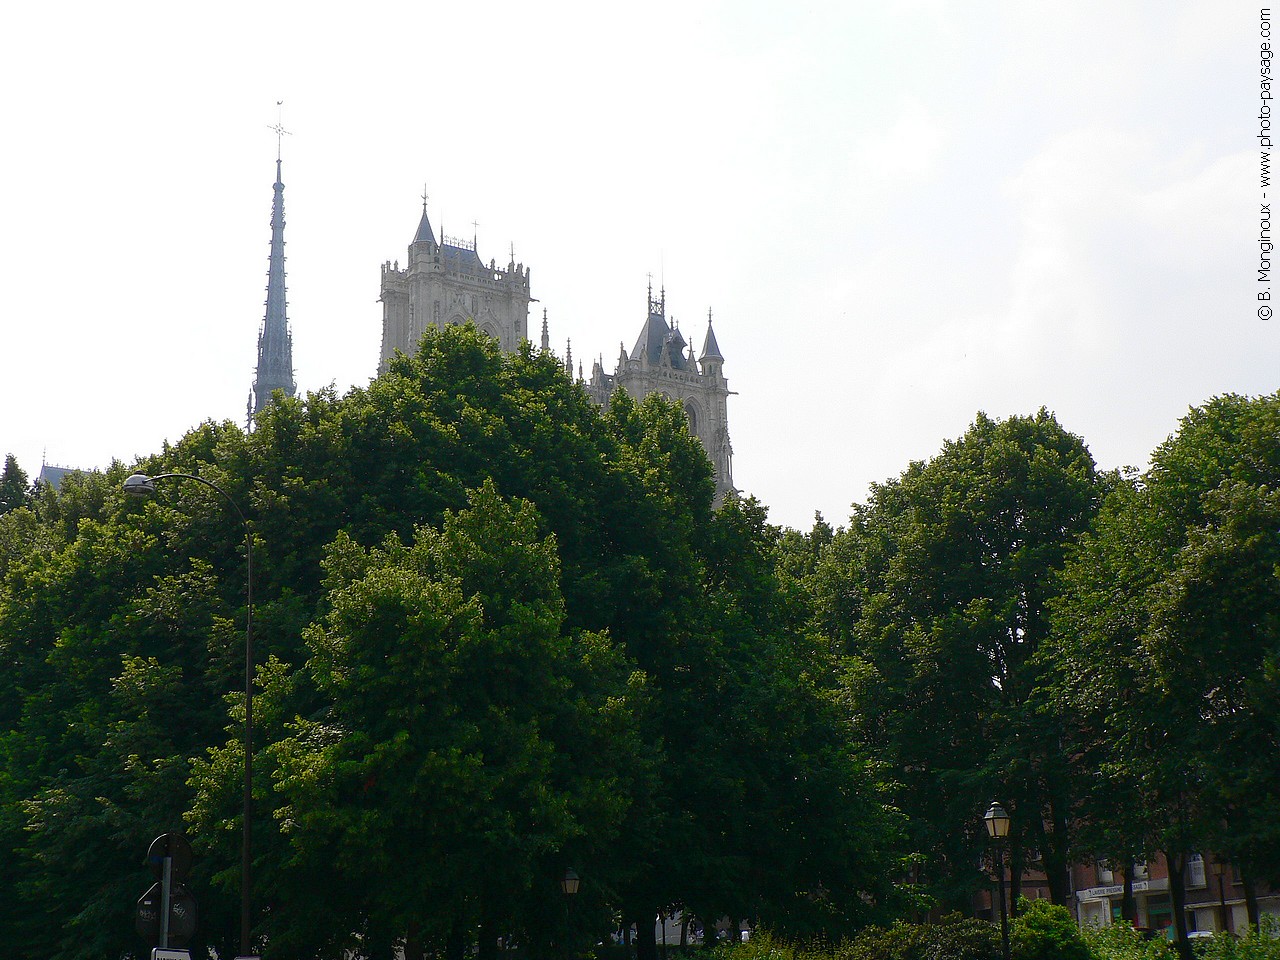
{"points": [[446, 282]]}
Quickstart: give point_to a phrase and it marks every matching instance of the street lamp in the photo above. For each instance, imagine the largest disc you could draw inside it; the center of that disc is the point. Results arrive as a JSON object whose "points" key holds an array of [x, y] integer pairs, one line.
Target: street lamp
{"points": [[997, 823], [570, 882], [141, 485]]}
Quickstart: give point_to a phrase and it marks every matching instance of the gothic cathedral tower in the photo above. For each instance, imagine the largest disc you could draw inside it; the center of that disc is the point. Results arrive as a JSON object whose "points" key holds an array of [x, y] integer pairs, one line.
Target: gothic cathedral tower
{"points": [[446, 283], [275, 343], [658, 363]]}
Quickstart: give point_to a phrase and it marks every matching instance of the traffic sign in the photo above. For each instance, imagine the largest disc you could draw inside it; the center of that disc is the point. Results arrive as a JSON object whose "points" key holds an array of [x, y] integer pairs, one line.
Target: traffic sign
{"points": [[169, 953], [177, 848], [182, 913]]}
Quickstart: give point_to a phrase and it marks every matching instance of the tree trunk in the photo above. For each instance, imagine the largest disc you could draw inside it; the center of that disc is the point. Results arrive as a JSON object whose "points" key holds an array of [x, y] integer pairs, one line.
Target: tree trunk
{"points": [[1128, 903], [487, 949], [1178, 895], [1250, 899], [413, 946], [646, 942], [455, 947], [1056, 856], [1016, 862]]}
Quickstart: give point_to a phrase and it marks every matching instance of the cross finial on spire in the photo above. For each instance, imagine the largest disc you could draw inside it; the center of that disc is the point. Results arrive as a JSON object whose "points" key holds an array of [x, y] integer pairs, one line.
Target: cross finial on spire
{"points": [[424, 198], [279, 129]]}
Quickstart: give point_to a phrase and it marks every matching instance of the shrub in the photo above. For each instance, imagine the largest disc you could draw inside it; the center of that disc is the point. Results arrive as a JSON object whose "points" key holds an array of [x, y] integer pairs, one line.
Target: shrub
{"points": [[1257, 944], [952, 938], [1045, 931], [1121, 942]]}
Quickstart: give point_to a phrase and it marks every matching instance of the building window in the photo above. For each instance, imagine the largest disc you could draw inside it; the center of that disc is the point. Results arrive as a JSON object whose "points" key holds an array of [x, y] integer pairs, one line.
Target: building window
{"points": [[1195, 870]]}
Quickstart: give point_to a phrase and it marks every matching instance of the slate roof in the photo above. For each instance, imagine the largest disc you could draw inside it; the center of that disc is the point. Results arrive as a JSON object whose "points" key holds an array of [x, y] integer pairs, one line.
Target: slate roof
{"points": [[654, 336], [424, 234]]}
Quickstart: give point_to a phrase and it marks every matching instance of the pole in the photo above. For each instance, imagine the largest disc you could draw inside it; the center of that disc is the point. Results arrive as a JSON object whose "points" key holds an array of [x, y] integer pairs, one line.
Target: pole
{"points": [[1004, 918], [146, 485], [166, 898], [1222, 901], [246, 840]]}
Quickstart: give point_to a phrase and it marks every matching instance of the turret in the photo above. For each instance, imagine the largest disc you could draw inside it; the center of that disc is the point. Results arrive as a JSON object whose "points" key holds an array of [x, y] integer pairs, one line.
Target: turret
{"points": [[711, 358]]}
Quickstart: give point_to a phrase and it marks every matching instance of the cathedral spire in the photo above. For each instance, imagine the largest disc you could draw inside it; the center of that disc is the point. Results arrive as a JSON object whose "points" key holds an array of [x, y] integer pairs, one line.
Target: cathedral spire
{"points": [[424, 234], [710, 349], [546, 338], [275, 343]]}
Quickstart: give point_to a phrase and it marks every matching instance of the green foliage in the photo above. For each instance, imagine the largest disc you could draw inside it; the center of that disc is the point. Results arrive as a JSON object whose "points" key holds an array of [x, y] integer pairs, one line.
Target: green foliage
{"points": [[15, 490], [953, 937], [1257, 944], [938, 594], [1122, 942], [1166, 648], [1045, 931]]}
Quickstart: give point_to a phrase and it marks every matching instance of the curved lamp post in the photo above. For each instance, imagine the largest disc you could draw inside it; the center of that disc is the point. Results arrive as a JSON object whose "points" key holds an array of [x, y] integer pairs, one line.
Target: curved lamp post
{"points": [[997, 824], [141, 485]]}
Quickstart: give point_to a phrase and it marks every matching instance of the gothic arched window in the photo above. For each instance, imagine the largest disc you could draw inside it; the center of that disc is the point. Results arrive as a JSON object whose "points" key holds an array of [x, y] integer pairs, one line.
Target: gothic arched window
{"points": [[691, 411]]}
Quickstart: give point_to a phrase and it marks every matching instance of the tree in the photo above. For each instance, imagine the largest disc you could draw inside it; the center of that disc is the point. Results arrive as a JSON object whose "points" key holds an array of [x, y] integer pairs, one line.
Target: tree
{"points": [[937, 592], [680, 736], [464, 741], [1166, 645], [15, 491]]}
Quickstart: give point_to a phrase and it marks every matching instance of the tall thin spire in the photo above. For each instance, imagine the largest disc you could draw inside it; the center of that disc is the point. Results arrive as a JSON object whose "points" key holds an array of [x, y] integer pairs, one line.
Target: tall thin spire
{"points": [[275, 343]]}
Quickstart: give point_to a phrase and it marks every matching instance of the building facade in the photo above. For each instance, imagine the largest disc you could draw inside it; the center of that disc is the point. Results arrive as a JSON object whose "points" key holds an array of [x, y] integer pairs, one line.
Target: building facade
{"points": [[663, 362], [1215, 895], [445, 282]]}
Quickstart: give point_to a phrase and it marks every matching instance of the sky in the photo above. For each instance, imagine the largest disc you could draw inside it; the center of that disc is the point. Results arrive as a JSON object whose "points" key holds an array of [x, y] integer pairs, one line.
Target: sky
{"points": [[900, 214]]}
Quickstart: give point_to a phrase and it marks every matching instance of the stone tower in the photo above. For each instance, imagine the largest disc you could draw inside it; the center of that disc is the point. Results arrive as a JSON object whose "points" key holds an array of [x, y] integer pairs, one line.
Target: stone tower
{"points": [[446, 283], [275, 343], [658, 363]]}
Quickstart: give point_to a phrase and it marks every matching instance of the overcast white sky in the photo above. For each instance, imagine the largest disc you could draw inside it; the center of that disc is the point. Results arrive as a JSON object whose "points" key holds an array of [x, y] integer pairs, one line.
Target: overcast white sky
{"points": [[900, 213]]}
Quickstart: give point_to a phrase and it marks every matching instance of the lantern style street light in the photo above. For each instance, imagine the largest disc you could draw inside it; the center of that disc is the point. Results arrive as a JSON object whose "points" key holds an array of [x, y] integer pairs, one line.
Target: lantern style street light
{"points": [[141, 485], [570, 882], [997, 824]]}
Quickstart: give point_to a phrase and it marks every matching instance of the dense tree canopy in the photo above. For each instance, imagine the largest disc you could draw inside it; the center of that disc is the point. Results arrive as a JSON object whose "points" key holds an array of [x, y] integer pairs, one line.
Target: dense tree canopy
{"points": [[937, 592], [1167, 649], [501, 633]]}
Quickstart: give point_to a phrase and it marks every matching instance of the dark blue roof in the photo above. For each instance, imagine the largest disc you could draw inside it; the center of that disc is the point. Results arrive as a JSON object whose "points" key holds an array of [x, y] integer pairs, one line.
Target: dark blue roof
{"points": [[424, 234], [462, 259], [657, 333]]}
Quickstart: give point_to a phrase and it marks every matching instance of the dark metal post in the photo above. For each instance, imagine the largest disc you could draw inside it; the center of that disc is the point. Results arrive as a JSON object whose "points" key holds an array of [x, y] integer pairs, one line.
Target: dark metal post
{"points": [[246, 840], [1004, 917], [1220, 869], [141, 485]]}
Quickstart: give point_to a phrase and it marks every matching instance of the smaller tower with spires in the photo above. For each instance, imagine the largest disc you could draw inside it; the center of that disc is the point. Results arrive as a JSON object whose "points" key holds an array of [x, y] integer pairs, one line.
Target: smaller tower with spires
{"points": [[663, 362]]}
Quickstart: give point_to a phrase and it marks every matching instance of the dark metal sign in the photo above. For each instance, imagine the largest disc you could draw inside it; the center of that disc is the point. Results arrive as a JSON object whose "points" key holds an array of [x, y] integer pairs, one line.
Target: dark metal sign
{"points": [[175, 846]]}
